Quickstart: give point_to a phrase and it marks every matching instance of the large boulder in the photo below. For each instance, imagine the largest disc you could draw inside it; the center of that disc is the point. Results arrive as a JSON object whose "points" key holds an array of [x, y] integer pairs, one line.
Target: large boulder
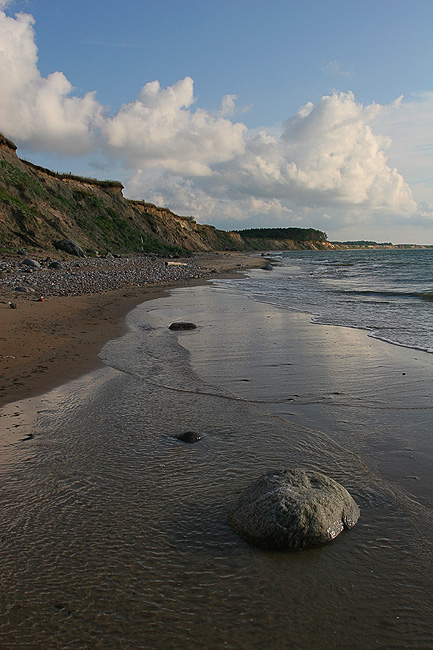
{"points": [[293, 509], [70, 246]]}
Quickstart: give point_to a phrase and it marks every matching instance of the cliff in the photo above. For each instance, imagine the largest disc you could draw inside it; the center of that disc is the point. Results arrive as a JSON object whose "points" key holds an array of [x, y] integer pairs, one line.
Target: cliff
{"points": [[39, 206]]}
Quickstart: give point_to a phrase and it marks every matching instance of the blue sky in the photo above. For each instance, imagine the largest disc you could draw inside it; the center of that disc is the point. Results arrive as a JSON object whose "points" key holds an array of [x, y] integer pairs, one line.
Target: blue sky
{"points": [[238, 113]]}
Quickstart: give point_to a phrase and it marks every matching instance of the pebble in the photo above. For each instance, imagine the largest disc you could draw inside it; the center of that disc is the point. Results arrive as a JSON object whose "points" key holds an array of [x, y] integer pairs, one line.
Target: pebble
{"points": [[93, 275]]}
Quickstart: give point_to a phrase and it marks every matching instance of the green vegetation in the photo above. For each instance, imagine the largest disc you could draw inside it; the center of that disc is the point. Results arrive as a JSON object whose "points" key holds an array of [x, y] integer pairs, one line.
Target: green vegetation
{"points": [[73, 177], [21, 210], [294, 234], [362, 243], [23, 182]]}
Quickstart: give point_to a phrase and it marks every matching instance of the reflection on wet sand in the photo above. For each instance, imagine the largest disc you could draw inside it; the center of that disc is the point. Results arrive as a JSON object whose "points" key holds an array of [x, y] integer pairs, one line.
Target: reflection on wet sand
{"points": [[114, 533]]}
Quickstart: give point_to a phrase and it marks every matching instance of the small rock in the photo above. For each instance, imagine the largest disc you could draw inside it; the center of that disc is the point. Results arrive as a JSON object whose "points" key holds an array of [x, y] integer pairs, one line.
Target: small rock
{"points": [[56, 265], [13, 305], [292, 509], [190, 436], [23, 289], [268, 267], [183, 326]]}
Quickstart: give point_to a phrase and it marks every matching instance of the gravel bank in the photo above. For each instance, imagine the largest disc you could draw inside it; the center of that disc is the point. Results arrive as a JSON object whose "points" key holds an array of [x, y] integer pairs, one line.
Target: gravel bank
{"points": [[89, 276]]}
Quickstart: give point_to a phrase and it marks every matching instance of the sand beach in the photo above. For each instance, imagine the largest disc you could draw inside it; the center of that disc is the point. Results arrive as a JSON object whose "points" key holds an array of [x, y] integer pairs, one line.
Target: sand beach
{"points": [[114, 533], [44, 344]]}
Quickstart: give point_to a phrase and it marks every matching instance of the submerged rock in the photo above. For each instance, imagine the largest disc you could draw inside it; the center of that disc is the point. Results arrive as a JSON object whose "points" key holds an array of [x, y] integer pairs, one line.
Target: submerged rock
{"points": [[293, 509], [190, 436], [182, 326]]}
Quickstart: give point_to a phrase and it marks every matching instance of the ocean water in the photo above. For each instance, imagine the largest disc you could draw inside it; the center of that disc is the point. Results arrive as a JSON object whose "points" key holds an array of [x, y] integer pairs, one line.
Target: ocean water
{"points": [[113, 534], [388, 292]]}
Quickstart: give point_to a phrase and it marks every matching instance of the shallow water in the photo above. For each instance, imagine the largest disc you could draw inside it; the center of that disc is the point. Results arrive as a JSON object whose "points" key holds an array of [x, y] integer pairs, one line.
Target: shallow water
{"points": [[387, 292], [114, 533]]}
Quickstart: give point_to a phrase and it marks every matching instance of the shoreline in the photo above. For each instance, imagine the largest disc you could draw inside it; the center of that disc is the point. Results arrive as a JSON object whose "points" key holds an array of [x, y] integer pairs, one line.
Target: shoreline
{"points": [[46, 344], [111, 521]]}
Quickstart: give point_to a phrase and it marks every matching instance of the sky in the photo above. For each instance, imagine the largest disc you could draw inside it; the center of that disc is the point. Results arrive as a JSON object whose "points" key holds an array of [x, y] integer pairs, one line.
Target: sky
{"points": [[239, 113]]}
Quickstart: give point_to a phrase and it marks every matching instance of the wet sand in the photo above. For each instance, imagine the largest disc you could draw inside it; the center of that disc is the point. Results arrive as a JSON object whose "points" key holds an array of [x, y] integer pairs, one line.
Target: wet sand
{"points": [[114, 533], [45, 344]]}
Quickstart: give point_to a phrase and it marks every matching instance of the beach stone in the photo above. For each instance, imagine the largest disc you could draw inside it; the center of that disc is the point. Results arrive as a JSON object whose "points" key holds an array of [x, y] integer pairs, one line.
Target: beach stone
{"points": [[182, 326], [267, 267], [56, 265], [190, 436], [70, 246], [33, 264], [292, 509], [23, 289]]}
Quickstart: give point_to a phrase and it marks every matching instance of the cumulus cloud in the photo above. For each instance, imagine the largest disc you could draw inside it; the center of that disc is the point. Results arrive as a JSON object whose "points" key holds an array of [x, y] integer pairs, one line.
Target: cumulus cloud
{"points": [[325, 158], [37, 111], [330, 157], [411, 133], [184, 196], [325, 155], [161, 130]]}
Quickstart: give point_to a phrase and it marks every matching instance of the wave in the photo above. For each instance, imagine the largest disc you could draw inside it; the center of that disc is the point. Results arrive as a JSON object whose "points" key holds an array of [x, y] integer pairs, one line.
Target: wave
{"points": [[383, 293]]}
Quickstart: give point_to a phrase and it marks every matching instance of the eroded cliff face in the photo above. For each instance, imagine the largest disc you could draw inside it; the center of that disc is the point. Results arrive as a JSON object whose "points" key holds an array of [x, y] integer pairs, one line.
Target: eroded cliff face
{"points": [[39, 207]]}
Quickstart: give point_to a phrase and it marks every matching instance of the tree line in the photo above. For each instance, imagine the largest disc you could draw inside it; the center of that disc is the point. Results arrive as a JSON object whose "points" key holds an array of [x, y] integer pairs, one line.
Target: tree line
{"points": [[295, 234]]}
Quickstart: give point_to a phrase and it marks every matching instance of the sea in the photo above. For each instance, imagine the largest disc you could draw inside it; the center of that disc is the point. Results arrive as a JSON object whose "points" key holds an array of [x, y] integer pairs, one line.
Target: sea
{"points": [[114, 533], [388, 292]]}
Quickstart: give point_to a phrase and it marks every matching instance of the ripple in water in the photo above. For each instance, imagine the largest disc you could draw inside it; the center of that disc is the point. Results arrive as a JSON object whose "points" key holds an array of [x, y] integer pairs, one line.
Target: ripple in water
{"points": [[114, 533]]}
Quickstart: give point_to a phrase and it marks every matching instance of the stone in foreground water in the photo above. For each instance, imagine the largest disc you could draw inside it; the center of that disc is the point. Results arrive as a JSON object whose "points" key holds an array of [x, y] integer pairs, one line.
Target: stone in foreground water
{"points": [[293, 509], [190, 436]]}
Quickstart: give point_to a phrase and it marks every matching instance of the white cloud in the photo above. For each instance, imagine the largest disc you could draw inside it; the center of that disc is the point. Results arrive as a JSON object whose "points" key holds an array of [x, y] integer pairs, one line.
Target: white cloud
{"points": [[411, 132], [325, 155], [184, 196], [332, 161], [337, 69], [330, 158], [228, 105], [161, 130], [39, 111]]}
